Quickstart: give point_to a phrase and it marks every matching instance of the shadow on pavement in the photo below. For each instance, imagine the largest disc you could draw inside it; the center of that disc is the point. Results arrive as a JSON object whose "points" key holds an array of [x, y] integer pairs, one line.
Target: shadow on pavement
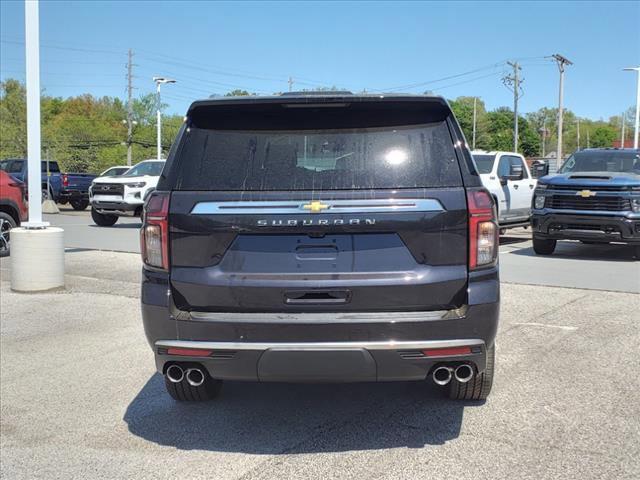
{"points": [[505, 240], [270, 418], [580, 251]]}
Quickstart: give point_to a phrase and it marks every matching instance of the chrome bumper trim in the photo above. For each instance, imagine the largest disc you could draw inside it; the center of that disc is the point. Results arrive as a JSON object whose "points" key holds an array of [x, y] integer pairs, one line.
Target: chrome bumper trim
{"points": [[260, 346], [328, 206]]}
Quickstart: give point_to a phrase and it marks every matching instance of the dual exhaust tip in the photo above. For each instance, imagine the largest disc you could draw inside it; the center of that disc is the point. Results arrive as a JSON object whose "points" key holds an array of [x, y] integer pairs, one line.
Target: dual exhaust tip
{"points": [[195, 376], [443, 375]]}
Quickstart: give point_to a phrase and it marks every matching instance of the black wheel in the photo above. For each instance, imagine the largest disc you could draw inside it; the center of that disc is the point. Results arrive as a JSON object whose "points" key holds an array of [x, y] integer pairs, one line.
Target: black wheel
{"points": [[183, 392], [103, 220], [479, 387], [543, 246], [636, 252], [79, 204], [6, 224], [46, 194]]}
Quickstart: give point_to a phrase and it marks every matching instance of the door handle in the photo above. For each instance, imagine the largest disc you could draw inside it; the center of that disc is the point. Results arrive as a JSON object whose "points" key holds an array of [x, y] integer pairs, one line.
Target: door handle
{"points": [[516, 186], [531, 186]]}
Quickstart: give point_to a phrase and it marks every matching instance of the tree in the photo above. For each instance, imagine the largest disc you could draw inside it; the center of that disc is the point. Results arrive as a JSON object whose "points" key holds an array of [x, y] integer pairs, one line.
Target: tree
{"points": [[463, 110], [238, 93], [603, 136], [13, 119]]}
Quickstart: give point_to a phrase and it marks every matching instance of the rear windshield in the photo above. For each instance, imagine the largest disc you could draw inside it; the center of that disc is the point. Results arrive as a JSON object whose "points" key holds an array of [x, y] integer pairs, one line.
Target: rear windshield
{"points": [[484, 163], [53, 167], [396, 156], [11, 166], [603, 161]]}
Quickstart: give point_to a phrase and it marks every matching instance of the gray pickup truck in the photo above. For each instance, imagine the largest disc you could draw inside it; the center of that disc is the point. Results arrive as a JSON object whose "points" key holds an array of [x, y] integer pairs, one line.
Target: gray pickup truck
{"points": [[594, 198]]}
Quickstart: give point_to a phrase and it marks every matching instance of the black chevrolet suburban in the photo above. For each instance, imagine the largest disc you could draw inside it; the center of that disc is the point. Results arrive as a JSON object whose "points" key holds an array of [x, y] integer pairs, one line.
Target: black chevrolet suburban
{"points": [[321, 238], [594, 198]]}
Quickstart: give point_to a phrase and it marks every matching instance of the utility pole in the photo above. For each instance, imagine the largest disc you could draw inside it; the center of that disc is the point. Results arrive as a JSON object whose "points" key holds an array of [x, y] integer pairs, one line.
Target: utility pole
{"points": [[512, 82], [578, 135], [588, 138], [473, 143], [129, 107], [544, 135], [622, 135], [290, 82], [562, 63], [635, 135]]}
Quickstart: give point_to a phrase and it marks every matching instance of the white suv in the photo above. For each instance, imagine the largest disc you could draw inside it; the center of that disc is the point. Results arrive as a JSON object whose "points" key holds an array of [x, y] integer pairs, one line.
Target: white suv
{"points": [[507, 176], [113, 197]]}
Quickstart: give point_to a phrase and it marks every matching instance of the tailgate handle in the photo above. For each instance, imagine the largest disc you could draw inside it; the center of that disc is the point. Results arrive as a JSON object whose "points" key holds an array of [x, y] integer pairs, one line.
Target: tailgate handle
{"points": [[318, 297]]}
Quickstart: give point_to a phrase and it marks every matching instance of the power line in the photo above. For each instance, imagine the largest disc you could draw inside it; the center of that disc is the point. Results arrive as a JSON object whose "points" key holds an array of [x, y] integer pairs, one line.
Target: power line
{"points": [[438, 80]]}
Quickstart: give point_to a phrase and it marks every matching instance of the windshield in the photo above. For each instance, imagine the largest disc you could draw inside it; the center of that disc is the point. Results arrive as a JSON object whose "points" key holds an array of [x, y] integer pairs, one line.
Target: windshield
{"points": [[403, 156], [484, 163], [11, 166], [603, 161], [153, 169], [114, 171]]}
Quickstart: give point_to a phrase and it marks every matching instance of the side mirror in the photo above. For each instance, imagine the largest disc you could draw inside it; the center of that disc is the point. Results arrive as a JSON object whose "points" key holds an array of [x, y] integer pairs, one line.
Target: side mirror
{"points": [[516, 172]]}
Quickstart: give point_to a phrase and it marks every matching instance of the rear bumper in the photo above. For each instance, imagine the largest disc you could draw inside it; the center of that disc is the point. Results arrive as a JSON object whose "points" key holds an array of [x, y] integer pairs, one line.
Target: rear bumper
{"points": [[588, 227], [321, 361], [323, 347], [73, 195]]}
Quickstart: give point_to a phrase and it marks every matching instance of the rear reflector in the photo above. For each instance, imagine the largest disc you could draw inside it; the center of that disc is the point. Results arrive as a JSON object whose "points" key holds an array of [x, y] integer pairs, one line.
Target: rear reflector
{"points": [[447, 352], [189, 352]]}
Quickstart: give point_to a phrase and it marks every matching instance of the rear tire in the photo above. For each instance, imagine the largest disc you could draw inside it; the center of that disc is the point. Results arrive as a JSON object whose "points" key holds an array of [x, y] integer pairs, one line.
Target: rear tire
{"points": [[79, 204], [6, 224], [636, 252], [103, 220], [543, 246], [183, 392], [479, 387]]}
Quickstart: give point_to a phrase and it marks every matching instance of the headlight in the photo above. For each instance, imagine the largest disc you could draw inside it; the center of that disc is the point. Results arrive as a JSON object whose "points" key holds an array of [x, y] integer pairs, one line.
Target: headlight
{"points": [[635, 204], [135, 184], [539, 202], [541, 186]]}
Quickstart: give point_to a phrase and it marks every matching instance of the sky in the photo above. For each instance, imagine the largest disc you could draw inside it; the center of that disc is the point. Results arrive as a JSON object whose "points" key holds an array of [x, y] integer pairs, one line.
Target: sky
{"points": [[452, 49]]}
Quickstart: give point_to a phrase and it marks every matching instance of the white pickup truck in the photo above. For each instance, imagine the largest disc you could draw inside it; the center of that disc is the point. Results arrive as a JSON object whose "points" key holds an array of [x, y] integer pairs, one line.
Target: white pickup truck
{"points": [[507, 176], [113, 197]]}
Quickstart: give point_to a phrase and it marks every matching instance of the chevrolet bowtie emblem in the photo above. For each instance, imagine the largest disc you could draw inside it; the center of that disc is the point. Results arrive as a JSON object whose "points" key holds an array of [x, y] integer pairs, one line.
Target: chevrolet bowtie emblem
{"points": [[586, 193], [315, 206]]}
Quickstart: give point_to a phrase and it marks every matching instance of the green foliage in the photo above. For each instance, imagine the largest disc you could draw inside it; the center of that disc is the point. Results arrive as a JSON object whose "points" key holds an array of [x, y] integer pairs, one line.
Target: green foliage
{"points": [[84, 133], [603, 136], [238, 93]]}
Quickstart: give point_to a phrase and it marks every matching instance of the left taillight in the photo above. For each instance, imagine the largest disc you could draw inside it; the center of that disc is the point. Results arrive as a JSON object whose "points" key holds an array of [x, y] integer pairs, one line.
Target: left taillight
{"points": [[65, 180], [154, 234], [483, 229]]}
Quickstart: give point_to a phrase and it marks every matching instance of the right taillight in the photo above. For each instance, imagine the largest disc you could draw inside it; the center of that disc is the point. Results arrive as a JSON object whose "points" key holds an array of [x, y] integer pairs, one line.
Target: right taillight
{"points": [[483, 230], [154, 235]]}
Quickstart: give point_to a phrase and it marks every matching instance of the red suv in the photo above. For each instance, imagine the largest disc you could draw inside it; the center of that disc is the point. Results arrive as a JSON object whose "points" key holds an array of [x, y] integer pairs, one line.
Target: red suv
{"points": [[13, 208]]}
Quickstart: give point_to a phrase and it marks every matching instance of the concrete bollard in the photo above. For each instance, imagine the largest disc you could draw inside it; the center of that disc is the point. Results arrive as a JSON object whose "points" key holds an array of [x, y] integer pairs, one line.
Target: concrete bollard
{"points": [[37, 259]]}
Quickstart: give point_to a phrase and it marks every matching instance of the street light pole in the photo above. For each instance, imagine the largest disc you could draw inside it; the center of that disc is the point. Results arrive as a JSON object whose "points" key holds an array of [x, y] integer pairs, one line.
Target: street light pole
{"points": [[32, 52], [635, 135], [562, 62], [159, 81]]}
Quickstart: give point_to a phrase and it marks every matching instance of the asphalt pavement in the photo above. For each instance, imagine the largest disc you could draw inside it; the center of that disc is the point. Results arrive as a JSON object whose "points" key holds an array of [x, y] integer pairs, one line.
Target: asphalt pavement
{"points": [[81, 399], [573, 265]]}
